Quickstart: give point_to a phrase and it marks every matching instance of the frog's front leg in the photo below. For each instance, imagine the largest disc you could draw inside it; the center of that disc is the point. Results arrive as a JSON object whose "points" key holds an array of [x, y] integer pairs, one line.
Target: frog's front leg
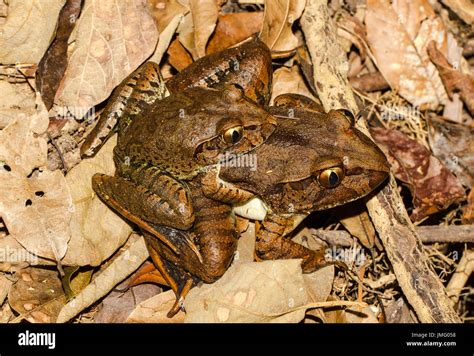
{"points": [[273, 244], [167, 204]]}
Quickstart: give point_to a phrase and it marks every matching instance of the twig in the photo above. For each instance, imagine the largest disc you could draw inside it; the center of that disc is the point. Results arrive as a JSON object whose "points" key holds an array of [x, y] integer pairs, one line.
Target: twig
{"points": [[460, 277]]}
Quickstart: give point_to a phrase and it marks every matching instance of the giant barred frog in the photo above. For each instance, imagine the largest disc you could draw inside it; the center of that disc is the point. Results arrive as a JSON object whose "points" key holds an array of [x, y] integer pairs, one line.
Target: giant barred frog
{"points": [[313, 161]]}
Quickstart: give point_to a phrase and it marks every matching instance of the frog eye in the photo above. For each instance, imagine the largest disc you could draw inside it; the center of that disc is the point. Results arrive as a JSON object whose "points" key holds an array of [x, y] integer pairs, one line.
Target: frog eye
{"points": [[233, 135], [331, 177]]}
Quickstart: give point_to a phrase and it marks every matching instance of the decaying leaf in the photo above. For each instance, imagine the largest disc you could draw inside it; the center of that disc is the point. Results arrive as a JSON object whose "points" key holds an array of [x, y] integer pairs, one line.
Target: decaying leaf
{"points": [[432, 185], [453, 80], [17, 99], [36, 205], [277, 22], [234, 28], [398, 34], [117, 306], [179, 57], [357, 221], [5, 285], [96, 231], [453, 144], [37, 294], [106, 50], [154, 310], [269, 291], [468, 211], [28, 30], [124, 263], [53, 64]]}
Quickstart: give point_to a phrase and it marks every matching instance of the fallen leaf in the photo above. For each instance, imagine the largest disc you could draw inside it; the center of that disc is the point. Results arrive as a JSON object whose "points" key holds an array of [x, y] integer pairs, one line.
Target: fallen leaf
{"points": [[453, 145], [17, 99], [360, 315], [5, 285], [268, 291], [234, 28], [468, 210], [398, 35], [28, 30], [453, 80], [198, 26], [37, 295], [52, 66], [179, 57], [432, 185], [124, 263], [106, 50], [154, 310], [96, 231], [117, 306], [36, 205], [246, 246], [350, 28], [398, 312], [357, 221], [289, 80], [278, 20], [164, 11]]}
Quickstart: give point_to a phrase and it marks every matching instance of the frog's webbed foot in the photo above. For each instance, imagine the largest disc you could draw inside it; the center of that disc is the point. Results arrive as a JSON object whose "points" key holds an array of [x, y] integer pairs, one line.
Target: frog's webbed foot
{"points": [[143, 207], [140, 88], [272, 244]]}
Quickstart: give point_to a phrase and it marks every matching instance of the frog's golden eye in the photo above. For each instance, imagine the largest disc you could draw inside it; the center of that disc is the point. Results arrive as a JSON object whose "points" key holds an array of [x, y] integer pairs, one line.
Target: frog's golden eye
{"points": [[233, 135], [331, 177]]}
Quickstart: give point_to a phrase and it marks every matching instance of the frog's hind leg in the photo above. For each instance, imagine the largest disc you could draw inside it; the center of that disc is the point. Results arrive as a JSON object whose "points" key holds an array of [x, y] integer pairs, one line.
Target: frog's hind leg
{"points": [[143, 207], [271, 243]]}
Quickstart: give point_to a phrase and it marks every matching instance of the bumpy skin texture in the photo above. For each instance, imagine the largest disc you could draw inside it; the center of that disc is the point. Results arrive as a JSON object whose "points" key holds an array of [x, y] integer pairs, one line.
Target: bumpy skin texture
{"points": [[248, 66]]}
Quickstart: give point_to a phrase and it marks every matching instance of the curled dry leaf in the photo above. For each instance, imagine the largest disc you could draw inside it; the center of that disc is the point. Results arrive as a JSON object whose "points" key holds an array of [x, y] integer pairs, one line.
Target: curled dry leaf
{"points": [[234, 28], [179, 57], [432, 185], [167, 16], [357, 221], [53, 64], [198, 26], [269, 291], [154, 310], [453, 80], [398, 35], [125, 262], [106, 50], [453, 145], [278, 21], [37, 295], [350, 28], [28, 30], [35, 203], [96, 231]]}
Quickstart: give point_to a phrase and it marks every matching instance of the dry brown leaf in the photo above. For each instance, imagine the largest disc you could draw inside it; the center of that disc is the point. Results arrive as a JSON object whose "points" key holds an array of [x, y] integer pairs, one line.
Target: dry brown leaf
{"points": [[246, 246], [117, 306], [164, 11], [269, 291], [453, 80], [6, 314], [398, 35], [112, 38], [468, 210], [37, 295], [179, 57], [36, 205], [278, 19], [28, 30], [453, 145], [432, 185], [289, 80], [360, 315], [358, 223], [96, 231], [154, 310], [129, 259], [234, 28]]}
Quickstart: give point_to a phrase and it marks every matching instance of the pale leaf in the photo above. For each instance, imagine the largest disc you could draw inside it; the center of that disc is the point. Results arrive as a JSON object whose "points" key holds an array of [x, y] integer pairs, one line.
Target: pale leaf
{"points": [[154, 310], [28, 30], [398, 35], [289, 80], [126, 262], [96, 230], [277, 22], [112, 38]]}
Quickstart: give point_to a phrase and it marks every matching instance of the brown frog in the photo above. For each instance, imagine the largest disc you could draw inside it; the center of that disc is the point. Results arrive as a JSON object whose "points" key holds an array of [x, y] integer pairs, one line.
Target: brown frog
{"points": [[313, 161]]}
